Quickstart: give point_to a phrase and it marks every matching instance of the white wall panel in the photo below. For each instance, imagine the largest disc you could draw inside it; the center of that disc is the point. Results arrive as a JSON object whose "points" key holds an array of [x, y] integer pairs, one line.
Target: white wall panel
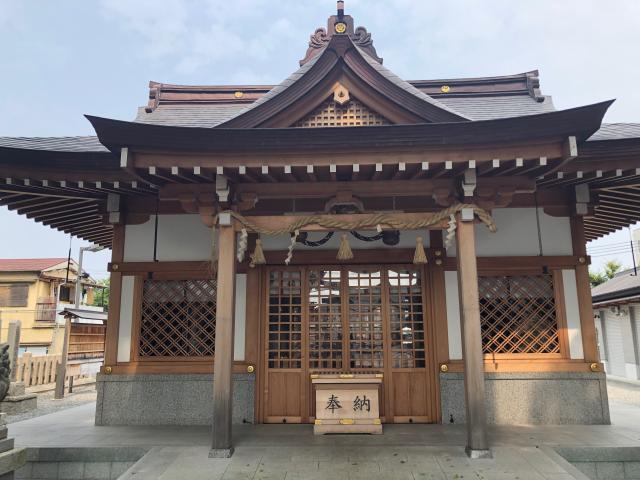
{"points": [[240, 317], [518, 234], [453, 315], [180, 238], [126, 319], [574, 328]]}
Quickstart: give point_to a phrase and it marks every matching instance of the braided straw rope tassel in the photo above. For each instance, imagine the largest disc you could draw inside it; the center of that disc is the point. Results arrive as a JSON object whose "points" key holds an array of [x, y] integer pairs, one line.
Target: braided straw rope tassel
{"points": [[292, 245], [419, 257], [257, 257], [344, 252]]}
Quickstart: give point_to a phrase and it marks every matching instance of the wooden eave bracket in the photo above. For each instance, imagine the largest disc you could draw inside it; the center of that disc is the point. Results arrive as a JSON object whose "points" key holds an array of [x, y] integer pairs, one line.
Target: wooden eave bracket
{"points": [[113, 209], [583, 199]]}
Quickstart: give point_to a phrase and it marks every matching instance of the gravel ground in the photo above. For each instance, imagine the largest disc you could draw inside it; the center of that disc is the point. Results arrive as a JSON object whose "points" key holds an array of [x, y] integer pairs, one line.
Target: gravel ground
{"points": [[47, 404]]}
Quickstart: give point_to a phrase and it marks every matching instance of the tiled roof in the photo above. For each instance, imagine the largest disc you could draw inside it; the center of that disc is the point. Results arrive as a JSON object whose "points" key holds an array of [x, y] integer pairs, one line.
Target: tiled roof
{"points": [[290, 80], [504, 106], [616, 131], [55, 144], [29, 264], [392, 77], [192, 115], [622, 282], [474, 108]]}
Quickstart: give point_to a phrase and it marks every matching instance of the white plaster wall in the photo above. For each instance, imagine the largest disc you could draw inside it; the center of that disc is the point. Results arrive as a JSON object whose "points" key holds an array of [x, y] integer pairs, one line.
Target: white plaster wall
{"points": [[240, 317], [518, 234], [407, 240], [180, 238], [453, 315], [574, 328], [126, 319]]}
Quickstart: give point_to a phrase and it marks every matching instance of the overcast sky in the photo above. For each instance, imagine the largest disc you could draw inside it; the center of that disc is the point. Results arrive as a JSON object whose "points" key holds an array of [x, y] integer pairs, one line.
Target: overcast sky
{"points": [[63, 59]]}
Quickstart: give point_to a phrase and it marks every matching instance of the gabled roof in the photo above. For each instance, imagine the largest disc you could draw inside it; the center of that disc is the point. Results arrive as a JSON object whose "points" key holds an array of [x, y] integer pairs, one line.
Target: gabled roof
{"points": [[29, 264], [622, 287], [341, 60]]}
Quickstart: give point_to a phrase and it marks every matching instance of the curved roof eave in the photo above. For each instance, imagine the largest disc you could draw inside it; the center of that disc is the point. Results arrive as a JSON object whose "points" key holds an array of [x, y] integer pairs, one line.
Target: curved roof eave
{"points": [[581, 122]]}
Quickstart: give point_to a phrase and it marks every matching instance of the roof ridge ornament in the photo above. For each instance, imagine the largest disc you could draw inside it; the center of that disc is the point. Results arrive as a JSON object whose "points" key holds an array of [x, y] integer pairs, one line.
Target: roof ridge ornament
{"points": [[340, 24]]}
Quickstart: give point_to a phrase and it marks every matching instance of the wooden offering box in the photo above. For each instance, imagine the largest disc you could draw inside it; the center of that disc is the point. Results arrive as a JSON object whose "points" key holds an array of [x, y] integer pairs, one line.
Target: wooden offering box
{"points": [[347, 403]]}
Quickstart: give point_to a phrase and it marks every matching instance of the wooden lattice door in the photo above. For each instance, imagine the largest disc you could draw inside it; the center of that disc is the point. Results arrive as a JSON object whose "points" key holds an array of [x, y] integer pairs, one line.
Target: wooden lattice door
{"points": [[412, 381], [348, 320], [285, 372]]}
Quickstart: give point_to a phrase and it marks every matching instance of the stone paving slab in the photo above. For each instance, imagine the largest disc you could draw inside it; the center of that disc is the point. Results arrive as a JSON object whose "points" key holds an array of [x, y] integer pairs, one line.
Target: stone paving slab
{"points": [[290, 452], [366, 463]]}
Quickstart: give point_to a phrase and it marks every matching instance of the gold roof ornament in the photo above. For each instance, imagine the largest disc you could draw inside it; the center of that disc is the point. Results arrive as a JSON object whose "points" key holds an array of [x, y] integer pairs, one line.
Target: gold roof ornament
{"points": [[341, 94]]}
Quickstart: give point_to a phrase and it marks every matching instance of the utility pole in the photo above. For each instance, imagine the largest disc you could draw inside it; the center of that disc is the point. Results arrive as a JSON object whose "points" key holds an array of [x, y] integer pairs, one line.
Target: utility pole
{"points": [[90, 248]]}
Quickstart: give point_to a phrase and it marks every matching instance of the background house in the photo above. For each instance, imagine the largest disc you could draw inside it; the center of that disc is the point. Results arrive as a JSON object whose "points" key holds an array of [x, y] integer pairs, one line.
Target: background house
{"points": [[34, 291], [616, 305]]}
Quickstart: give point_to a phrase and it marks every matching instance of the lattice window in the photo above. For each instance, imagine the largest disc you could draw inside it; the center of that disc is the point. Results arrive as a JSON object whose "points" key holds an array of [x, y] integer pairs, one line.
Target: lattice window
{"points": [[285, 319], [518, 314], [365, 319], [407, 319], [352, 114], [325, 320], [178, 318]]}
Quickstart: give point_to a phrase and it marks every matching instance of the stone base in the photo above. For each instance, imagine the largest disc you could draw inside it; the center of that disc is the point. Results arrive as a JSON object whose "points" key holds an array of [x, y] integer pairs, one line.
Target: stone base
{"points": [[221, 452], [476, 454], [168, 399], [12, 460], [17, 401], [532, 398]]}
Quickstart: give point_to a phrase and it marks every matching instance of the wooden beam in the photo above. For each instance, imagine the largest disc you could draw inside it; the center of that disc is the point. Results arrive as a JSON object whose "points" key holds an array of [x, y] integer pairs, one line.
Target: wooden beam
{"points": [[474, 387], [222, 446], [369, 156]]}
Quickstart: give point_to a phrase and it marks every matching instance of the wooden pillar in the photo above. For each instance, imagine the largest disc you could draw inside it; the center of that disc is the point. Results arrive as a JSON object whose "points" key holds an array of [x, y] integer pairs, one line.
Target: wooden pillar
{"points": [[61, 368], [115, 291], [223, 360], [583, 286], [474, 388]]}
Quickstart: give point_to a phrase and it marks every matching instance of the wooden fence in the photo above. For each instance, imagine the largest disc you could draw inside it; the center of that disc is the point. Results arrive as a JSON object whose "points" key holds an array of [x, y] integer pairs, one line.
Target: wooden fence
{"points": [[38, 370]]}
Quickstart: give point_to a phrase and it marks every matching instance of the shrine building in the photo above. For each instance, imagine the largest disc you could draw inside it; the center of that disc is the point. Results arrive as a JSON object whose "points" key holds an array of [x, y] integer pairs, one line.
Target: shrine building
{"points": [[345, 223]]}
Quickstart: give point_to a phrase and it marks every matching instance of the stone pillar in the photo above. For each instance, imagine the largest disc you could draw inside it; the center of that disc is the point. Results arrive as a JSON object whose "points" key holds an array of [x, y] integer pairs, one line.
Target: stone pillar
{"points": [[474, 387], [222, 446], [13, 339]]}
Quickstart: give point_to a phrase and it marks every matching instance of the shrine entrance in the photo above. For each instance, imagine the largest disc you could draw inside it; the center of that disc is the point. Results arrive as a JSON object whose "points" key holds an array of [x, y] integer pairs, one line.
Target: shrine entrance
{"points": [[348, 319]]}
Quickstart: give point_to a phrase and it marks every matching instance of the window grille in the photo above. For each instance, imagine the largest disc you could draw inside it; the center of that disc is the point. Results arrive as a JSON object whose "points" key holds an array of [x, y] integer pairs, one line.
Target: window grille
{"points": [[178, 318], [518, 314], [285, 319], [407, 319], [366, 348], [14, 295], [353, 114], [325, 320]]}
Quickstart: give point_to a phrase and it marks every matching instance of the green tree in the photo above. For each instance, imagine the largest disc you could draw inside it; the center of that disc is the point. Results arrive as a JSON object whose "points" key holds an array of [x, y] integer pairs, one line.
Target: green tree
{"points": [[101, 297], [607, 273]]}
